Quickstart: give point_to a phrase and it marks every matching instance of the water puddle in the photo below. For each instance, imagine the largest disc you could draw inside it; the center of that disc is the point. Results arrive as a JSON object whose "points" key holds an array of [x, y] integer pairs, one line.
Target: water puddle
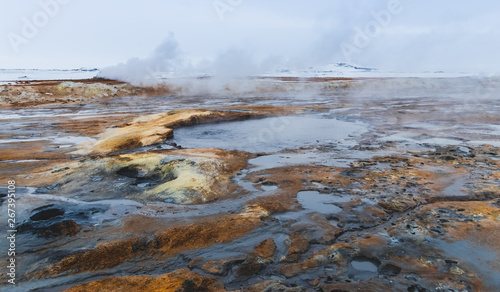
{"points": [[364, 266], [412, 139], [308, 158], [20, 161], [326, 204], [456, 188], [317, 202], [268, 188], [482, 259], [362, 269], [269, 134], [69, 141], [111, 209], [66, 141], [495, 143]]}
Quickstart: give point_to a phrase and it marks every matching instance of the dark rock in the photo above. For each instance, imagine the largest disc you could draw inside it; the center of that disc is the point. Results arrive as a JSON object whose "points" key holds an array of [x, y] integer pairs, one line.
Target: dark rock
{"points": [[416, 288], [349, 173], [131, 172], [219, 267], [274, 286], [298, 245], [390, 270], [251, 266], [64, 228], [47, 214], [200, 286]]}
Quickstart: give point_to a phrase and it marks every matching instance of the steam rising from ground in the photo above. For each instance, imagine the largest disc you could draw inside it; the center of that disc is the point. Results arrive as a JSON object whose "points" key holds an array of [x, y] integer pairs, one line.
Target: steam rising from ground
{"points": [[163, 60], [228, 71], [391, 35]]}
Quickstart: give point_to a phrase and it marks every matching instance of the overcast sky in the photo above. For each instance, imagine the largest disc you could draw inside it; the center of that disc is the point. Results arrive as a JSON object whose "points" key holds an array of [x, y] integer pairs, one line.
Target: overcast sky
{"points": [[403, 35]]}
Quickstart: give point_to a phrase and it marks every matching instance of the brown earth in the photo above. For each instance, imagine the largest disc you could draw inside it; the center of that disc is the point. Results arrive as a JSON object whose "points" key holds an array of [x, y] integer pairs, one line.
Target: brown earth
{"points": [[179, 280], [36, 93], [167, 243]]}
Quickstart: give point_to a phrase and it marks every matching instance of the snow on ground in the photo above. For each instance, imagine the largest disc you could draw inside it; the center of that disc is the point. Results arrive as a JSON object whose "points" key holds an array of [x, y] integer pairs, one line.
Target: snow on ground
{"points": [[351, 71], [342, 70], [12, 75]]}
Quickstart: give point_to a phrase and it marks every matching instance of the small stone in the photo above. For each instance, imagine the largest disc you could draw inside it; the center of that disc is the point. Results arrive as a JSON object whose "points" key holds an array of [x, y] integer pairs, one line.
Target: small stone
{"points": [[266, 249], [222, 266], [456, 270], [213, 267], [390, 270], [194, 262], [251, 266], [64, 228], [298, 245]]}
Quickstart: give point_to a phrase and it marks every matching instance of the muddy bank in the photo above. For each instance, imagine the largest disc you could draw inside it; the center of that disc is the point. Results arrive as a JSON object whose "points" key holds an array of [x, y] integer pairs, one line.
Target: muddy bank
{"points": [[18, 94], [36, 93]]}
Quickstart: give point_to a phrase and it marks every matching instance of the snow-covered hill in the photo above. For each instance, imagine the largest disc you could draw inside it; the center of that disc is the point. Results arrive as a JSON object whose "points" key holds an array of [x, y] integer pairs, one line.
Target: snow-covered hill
{"points": [[347, 70]]}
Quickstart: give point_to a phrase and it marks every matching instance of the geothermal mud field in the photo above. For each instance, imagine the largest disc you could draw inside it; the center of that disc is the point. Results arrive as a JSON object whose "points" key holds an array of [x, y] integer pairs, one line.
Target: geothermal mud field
{"points": [[291, 185]]}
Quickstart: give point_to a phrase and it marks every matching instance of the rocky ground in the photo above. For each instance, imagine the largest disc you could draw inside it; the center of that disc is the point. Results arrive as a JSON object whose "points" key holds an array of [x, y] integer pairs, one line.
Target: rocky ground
{"points": [[337, 191], [36, 93]]}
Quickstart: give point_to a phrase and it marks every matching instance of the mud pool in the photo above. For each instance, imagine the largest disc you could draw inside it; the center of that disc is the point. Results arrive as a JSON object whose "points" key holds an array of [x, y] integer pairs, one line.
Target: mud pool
{"points": [[377, 185], [270, 134]]}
